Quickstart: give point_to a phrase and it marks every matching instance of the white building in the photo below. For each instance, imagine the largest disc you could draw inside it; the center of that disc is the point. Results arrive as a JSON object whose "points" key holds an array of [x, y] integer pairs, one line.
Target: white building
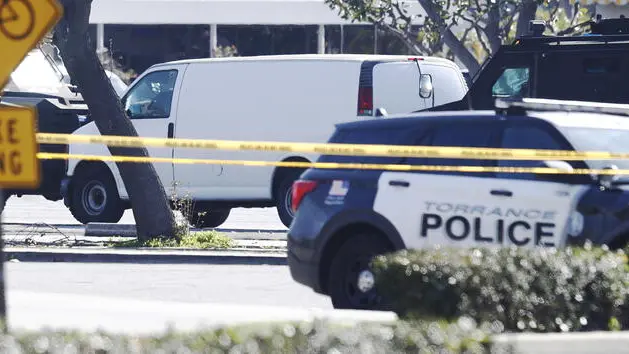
{"points": [[214, 13]]}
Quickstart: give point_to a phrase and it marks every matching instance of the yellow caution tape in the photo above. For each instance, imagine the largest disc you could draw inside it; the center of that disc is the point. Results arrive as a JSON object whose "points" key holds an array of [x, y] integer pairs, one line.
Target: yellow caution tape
{"points": [[335, 149], [332, 165]]}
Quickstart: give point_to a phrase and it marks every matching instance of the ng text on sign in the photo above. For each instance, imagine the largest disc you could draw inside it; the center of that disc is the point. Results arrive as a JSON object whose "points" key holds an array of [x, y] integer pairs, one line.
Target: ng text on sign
{"points": [[19, 165]]}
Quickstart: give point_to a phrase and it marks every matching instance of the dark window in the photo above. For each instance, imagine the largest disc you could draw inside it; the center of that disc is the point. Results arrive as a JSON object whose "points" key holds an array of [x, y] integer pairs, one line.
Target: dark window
{"points": [[601, 66], [513, 82], [464, 134], [152, 96], [372, 136], [525, 138], [584, 77]]}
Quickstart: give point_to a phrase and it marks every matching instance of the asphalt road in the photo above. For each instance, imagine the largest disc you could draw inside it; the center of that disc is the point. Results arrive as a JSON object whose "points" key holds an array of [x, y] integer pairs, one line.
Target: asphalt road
{"points": [[228, 284], [36, 209]]}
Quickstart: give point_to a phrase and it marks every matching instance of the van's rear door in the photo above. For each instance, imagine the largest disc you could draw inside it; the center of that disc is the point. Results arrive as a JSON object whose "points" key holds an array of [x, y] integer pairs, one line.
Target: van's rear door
{"points": [[396, 87]]}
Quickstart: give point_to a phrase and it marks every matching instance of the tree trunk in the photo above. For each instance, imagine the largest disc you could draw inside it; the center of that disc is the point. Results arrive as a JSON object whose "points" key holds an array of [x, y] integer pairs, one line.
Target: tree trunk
{"points": [[457, 47], [493, 29], [151, 208], [527, 13]]}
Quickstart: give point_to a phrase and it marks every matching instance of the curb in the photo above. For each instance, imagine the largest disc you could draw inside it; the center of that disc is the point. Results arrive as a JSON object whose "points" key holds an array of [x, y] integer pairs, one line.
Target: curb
{"points": [[110, 230], [129, 230], [143, 256], [559, 343]]}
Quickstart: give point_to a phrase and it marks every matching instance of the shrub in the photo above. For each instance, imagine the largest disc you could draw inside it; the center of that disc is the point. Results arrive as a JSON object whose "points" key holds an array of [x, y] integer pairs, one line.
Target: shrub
{"points": [[317, 337], [541, 290], [202, 240]]}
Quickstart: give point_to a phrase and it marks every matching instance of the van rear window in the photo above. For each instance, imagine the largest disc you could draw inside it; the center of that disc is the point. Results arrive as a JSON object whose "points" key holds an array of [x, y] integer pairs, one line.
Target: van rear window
{"points": [[393, 136]]}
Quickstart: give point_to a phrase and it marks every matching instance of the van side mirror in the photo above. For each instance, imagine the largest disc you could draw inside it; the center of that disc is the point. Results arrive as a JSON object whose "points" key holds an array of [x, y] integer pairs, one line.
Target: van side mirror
{"points": [[425, 86]]}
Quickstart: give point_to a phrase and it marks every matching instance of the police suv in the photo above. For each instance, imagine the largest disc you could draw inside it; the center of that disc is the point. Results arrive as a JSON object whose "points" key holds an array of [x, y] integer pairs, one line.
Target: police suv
{"points": [[346, 216]]}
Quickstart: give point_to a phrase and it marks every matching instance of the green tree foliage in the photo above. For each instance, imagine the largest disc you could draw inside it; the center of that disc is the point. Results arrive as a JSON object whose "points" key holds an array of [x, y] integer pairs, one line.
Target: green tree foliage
{"points": [[469, 30]]}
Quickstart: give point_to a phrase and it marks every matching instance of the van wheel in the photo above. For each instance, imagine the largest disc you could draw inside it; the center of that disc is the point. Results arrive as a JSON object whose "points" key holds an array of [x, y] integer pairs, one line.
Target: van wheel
{"points": [[211, 219], [283, 198], [351, 281], [95, 196]]}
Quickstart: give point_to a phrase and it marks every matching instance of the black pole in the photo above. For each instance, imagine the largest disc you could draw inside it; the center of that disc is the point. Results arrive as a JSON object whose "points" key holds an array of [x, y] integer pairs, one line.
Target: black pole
{"points": [[3, 306]]}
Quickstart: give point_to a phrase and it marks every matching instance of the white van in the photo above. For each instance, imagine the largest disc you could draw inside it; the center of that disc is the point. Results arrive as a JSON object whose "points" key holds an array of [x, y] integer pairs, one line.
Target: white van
{"points": [[290, 98]]}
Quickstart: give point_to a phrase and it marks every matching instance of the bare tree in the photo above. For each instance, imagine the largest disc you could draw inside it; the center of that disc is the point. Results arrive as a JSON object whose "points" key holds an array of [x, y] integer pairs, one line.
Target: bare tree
{"points": [[151, 208], [488, 23]]}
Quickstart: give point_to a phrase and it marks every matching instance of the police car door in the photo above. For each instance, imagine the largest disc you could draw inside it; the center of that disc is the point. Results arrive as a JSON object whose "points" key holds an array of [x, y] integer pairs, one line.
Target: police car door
{"points": [[477, 209], [540, 209], [446, 208]]}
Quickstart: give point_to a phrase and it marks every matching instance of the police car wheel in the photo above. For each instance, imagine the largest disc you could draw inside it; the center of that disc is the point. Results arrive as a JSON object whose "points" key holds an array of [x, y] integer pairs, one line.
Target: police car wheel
{"points": [[351, 282]]}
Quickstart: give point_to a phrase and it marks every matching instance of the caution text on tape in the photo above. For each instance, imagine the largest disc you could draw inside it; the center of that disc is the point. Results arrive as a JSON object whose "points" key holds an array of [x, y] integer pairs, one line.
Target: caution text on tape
{"points": [[333, 165], [335, 149]]}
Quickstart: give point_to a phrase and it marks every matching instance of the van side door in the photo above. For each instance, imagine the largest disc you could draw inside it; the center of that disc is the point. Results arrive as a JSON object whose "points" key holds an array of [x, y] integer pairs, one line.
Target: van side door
{"points": [[396, 87], [150, 104], [543, 204], [447, 83]]}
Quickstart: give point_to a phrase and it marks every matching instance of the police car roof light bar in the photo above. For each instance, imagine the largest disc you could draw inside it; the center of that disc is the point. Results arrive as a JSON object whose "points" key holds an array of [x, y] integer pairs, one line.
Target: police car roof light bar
{"points": [[542, 104]]}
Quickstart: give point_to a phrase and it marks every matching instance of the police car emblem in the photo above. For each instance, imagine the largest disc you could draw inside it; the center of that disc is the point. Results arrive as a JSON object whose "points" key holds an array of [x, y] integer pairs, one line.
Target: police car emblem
{"points": [[337, 193]]}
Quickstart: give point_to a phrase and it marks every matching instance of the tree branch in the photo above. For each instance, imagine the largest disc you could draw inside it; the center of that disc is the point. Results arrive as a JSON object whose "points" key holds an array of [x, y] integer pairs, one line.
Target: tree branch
{"points": [[527, 12], [450, 40]]}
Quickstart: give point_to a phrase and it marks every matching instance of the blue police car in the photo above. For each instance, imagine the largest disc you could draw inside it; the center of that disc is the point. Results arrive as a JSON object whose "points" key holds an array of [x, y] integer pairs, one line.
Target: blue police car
{"points": [[344, 217]]}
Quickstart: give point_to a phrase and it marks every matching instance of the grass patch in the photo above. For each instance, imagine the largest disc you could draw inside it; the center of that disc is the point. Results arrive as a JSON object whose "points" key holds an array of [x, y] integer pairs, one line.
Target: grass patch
{"points": [[201, 240]]}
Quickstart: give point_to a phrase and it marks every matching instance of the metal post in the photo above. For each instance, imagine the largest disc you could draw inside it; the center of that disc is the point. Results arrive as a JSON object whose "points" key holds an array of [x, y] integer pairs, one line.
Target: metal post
{"points": [[375, 39], [342, 39], [213, 40], [3, 303], [321, 40], [100, 39]]}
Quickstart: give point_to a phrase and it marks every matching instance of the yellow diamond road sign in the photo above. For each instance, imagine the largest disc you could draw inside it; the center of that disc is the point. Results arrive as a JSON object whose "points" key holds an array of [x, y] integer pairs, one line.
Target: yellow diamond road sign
{"points": [[23, 23], [19, 165]]}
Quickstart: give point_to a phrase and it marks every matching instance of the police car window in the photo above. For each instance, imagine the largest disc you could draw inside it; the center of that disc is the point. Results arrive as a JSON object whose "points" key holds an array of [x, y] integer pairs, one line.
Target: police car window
{"points": [[599, 139], [525, 138], [465, 134], [379, 136], [512, 83]]}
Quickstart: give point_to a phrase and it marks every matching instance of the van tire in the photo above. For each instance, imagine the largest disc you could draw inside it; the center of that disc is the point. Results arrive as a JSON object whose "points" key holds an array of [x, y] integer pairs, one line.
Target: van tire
{"points": [[351, 259], [210, 219], [95, 196], [283, 197]]}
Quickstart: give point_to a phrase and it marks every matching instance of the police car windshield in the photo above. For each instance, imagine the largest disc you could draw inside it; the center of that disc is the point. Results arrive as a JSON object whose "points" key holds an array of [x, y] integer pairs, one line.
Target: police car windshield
{"points": [[599, 139]]}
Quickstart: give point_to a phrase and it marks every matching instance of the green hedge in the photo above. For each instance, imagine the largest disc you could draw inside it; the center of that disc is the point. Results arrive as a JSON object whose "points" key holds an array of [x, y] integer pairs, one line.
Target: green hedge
{"points": [[318, 337], [541, 290]]}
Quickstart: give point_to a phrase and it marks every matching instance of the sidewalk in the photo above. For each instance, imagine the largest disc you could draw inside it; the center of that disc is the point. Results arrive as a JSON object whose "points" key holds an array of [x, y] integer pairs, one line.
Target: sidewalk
{"points": [[34, 311]]}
